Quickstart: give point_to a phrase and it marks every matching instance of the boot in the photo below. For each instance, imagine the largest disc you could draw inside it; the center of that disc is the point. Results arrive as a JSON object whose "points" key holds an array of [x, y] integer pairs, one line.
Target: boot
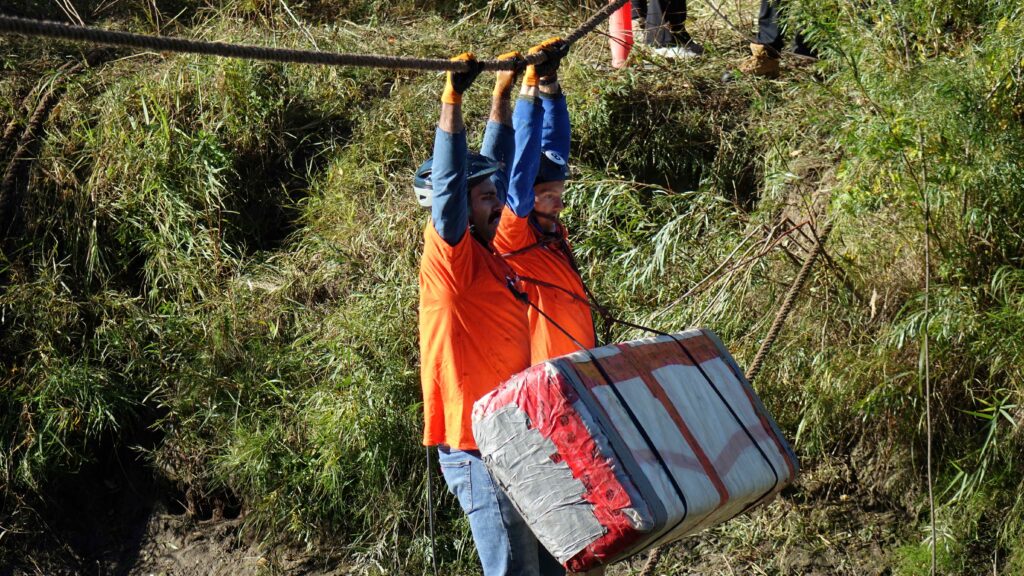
{"points": [[763, 61]]}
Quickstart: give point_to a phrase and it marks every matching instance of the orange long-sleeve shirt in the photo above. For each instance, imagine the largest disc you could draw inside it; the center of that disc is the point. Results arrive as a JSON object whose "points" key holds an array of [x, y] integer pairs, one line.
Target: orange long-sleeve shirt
{"points": [[548, 263], [473, 334]]}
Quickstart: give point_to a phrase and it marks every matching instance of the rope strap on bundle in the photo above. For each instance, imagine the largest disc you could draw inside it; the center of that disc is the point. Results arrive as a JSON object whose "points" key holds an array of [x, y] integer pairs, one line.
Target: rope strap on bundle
{"points": [[58, 30], [773, 334]]}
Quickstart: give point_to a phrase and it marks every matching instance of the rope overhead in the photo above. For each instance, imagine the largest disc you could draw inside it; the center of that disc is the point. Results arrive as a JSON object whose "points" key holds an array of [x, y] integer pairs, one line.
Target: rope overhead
{"points": [[58, 30]]}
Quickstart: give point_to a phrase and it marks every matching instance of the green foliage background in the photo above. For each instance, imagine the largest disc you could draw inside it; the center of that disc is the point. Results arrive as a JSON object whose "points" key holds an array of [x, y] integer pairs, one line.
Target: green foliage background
{"points": [[217, 267]]}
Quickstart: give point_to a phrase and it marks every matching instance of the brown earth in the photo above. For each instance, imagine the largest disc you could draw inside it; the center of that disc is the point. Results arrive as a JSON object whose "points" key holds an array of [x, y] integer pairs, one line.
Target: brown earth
{"points": [[167, 545], [128, 527]]}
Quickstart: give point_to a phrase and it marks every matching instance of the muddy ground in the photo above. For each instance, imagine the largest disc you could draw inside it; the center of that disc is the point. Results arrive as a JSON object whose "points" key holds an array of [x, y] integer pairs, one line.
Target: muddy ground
{"points": [[124, 523]]}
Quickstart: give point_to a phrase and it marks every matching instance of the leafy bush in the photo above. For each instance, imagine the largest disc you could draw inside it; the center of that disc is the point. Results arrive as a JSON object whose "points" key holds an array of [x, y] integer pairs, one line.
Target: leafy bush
{"points": [[223, 255]]}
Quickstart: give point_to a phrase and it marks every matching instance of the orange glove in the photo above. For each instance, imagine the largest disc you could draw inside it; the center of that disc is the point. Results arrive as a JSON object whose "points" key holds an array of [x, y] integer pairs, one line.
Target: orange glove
{"points": [[459, 82], [506, 79], [555, 48]]}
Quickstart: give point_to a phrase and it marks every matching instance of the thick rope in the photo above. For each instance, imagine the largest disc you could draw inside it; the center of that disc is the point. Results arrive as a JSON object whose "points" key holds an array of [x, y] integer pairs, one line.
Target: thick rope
{"points": [[10, 134], [48, 29], [787, 305], [755, 367], [11, 191]]}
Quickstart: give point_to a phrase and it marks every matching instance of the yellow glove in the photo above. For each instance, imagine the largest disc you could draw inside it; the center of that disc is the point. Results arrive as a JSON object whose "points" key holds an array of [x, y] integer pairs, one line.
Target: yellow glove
{"points": [[458, 82], [555, 48], [506, 79]]}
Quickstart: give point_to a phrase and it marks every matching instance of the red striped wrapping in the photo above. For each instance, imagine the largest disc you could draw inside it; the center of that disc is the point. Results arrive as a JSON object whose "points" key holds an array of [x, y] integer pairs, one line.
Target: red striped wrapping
{"points": [[609, 452]]}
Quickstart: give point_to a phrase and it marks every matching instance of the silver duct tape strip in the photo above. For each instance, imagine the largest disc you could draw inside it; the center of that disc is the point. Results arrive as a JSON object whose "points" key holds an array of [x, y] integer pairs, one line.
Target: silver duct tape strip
{"points": [[547, 496]]}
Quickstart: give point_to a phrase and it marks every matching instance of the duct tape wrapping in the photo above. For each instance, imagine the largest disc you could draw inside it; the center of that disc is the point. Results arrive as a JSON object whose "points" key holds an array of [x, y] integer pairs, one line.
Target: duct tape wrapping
{"points": [[610, 452]]}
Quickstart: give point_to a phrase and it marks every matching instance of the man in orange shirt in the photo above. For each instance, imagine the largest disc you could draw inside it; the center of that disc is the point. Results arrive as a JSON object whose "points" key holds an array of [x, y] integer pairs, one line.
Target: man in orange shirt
{"points": [[531, 236], [474, 333]]}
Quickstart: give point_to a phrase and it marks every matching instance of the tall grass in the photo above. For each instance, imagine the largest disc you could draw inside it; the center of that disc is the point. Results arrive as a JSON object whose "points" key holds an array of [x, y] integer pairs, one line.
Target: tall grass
{"points": [[931, 109], [222, 255]]}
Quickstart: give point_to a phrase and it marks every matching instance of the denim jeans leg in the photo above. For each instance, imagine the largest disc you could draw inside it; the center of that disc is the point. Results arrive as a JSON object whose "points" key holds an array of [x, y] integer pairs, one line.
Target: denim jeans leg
{"points": [[769, 32], [504, 543]]}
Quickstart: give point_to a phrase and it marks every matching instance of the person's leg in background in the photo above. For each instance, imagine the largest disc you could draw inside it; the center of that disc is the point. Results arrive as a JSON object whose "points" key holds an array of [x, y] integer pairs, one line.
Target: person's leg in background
{"points": [[675, 19], [766, 53], [662, 25], [648, 24], [769, 33]]}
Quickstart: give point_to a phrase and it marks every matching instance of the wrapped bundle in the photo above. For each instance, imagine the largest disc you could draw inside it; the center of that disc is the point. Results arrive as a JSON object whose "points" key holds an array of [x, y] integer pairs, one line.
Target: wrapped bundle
{"points": [[612, 451]]}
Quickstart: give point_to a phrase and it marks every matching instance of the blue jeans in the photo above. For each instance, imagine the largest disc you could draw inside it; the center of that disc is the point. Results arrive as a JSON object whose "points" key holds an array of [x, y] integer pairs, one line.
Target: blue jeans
{"points": [[504, 542]]}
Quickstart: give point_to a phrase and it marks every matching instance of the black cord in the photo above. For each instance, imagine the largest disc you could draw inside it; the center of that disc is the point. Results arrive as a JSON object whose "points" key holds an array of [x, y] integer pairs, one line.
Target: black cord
{"points": [[522, 297]]}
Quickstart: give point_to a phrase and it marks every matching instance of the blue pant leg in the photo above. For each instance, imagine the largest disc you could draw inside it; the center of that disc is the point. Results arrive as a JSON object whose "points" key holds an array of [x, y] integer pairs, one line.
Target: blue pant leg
{"points": [[769, 32], [504, 543]]}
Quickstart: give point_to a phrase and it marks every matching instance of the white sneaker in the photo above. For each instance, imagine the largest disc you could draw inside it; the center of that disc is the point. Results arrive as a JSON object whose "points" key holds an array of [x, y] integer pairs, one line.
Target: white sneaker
{"points": [[689, 50]]}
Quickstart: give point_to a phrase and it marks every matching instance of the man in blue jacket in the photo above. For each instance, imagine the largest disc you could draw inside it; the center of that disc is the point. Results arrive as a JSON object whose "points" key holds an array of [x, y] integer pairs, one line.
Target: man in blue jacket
{"points": [[474, 333], [531, 235]]}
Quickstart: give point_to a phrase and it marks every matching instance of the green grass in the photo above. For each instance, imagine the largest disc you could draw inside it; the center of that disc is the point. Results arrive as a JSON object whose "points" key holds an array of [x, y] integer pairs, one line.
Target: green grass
{"points": [[223, 255]]}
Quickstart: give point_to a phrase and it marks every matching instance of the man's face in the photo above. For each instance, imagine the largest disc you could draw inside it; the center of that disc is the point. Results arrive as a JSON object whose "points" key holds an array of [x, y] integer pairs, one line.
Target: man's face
{"points": [[548, 203], [484, 210]]}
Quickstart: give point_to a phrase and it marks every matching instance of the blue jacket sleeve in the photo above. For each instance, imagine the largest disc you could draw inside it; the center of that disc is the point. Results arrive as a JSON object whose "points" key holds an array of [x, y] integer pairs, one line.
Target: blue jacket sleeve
{"points": [[450, 208], [526, 119], [557, 131], [499, 145]]}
